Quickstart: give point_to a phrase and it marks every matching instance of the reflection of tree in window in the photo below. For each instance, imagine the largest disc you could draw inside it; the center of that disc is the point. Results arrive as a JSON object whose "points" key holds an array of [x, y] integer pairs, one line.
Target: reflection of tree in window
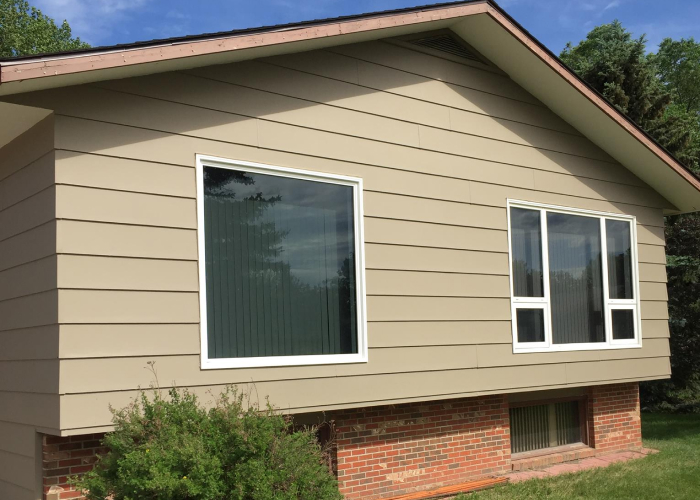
{"points": [[619, 245], [280, 273], [575, 278]]}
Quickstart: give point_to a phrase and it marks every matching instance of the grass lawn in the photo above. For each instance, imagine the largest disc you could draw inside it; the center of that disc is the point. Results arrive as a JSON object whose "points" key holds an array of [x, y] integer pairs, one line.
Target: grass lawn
{"points": [[672, 474]]}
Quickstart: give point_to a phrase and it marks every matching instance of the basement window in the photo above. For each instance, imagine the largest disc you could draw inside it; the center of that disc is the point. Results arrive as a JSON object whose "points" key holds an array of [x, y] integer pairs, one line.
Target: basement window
{"points": [[574, 279], [540, 426], [281, 266]]}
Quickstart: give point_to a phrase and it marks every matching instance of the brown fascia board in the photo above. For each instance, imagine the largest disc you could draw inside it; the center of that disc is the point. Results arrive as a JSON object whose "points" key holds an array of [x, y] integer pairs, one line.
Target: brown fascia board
{"points": [[112, 58], [509, 24], [64, 64]]}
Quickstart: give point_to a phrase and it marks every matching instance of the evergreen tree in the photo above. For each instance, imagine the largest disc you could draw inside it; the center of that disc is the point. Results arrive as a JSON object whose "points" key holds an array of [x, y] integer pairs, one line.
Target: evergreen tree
{"points": [[661, 93], [617, 66]]}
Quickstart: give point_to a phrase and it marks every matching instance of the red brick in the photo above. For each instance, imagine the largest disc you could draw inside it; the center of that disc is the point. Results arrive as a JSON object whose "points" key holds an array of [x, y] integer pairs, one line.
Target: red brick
{"points": [[614, 419], [68, 456], [420, 446]]}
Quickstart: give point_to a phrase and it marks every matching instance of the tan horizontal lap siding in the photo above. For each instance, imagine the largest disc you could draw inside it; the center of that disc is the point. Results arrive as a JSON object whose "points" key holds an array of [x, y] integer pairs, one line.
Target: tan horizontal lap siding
{"points": [[34, 178], [17, 461], [241, 129], [11, 490], [79, 237], [28, 279], [477, 77], [34, 409], [27, 148], [144, 340], [134, 143], [18, 471], [502, 355], [38, 309], [29, 365], [40, 342], [334, 392], [440, 149], [27, 214], [31, 245], [29, 376], [184, 371], [148, 340]]}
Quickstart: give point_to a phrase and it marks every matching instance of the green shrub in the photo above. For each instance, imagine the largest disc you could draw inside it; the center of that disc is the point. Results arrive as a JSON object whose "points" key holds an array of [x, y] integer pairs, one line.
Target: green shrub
{"points": [[174, 449]]}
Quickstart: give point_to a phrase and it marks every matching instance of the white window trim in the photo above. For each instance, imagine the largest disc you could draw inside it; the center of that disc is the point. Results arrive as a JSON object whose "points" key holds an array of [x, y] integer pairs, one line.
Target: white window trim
{"points": [[544, 302], [269, 361]]}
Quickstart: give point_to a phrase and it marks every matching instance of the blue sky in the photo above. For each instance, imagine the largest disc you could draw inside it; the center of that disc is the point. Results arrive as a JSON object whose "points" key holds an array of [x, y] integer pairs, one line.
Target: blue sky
{"points": [[554, 22]]}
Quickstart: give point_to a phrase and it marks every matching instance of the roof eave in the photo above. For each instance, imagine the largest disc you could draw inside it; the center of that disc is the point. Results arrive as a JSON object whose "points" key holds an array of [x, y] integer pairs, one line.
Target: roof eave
{"points": [[671, 178], [16, 74]]}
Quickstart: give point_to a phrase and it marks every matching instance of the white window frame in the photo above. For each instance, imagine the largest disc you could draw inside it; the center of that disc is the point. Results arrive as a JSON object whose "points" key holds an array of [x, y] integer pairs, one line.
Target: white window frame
{"points": [[545, 302], [293, 173]]}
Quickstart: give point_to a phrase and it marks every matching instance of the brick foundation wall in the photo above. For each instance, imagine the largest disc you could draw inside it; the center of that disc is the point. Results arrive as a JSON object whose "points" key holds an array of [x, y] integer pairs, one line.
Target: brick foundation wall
{"points": [[390, 450], [63, 457], [386, 451], [614, 420]]}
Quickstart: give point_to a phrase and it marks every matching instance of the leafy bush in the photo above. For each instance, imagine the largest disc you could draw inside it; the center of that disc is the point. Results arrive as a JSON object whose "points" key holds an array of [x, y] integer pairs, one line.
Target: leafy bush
{"points": [[174, 449]]}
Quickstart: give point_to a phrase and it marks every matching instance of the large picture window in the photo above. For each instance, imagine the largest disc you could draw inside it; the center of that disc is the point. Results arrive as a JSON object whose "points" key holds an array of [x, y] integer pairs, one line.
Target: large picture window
{"points": [[281, 271], [573, 279]]}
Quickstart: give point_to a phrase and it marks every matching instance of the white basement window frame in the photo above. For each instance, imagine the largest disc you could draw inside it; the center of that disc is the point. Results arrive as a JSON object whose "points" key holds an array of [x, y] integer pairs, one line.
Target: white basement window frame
{"points": [[361, 356], [544, 303]]}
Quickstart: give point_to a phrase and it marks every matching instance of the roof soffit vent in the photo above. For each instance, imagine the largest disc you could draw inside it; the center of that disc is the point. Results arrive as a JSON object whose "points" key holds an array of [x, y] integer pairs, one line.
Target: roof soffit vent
{"points": [[446, 43]]}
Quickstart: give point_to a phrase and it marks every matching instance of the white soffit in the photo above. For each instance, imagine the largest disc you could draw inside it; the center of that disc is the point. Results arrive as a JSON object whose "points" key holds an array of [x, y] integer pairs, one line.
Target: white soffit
{"points": [[537, 77]]}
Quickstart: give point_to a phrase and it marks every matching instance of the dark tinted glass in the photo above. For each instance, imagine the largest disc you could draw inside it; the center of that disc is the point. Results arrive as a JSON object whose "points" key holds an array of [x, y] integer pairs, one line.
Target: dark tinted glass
{"points": [[544, 426], [619, 259], [280, 265], [575, 278], [530, 325], [526, 240], [623, 324]]}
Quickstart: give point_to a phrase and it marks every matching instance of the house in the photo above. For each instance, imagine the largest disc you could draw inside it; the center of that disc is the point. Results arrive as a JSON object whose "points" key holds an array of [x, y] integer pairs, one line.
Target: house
{"points": [[418, 224]]}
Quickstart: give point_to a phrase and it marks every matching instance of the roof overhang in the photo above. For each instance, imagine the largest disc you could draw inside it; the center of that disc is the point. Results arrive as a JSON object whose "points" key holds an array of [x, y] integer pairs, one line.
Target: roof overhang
{"points": [[481, 23], [59, 70]]}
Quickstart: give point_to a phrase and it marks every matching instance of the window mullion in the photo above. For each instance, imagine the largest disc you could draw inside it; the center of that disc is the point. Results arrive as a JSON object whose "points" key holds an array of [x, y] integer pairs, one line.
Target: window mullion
{"points": [[607, 320], [545, 277], [634, 246]]}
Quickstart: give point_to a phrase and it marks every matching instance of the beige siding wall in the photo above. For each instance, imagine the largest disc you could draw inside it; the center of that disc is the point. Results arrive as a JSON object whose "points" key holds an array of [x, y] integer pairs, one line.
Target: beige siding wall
{"points": [[28, 306], [440, 147], [17, 462]]}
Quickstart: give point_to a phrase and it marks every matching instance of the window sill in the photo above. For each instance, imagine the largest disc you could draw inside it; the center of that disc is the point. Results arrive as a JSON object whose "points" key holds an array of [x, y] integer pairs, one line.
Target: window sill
{"points": [[280, 361], [549, 456], [575, 347]]}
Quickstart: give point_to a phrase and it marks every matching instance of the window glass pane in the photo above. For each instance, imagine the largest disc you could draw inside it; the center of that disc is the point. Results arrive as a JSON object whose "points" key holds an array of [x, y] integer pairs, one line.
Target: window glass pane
{"points": [[568, 424], [544, 426], [529, 428], [575, 277], [526, 239], [280, 268], [530, 325], [619, 258], [623, 324]]}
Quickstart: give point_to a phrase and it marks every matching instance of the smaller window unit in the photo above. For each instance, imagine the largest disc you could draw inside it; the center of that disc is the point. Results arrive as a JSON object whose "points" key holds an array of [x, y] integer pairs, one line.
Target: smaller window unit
{"points": [[541, 426], [574, 279]]}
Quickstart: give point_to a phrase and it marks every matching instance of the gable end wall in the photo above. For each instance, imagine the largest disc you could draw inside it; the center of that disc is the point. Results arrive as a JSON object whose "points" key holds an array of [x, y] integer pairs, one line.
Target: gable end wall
{"points": [[440, 146]]}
